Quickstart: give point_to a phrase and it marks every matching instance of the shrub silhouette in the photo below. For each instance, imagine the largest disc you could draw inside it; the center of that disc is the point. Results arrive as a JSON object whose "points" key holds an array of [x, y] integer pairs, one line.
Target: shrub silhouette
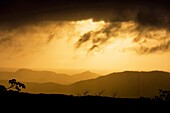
{"points": [[114, 94], [163, 95], [2, 88], [100, 93], [16, 85], [84, 93]]}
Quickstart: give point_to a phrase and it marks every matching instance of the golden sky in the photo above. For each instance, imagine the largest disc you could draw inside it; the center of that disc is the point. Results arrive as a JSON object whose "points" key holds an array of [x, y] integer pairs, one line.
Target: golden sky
{"points": [[86, 44]]}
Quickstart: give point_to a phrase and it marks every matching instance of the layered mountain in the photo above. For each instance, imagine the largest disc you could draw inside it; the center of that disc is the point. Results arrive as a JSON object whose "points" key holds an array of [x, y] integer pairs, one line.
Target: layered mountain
{"points": [[27, 75], [84, 76], [128, 84]]}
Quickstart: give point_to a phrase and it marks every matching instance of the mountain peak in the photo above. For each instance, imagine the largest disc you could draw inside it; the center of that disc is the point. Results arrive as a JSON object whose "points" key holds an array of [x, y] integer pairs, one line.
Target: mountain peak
{"points": [[24, 69], [87, 72], [85, 75]]}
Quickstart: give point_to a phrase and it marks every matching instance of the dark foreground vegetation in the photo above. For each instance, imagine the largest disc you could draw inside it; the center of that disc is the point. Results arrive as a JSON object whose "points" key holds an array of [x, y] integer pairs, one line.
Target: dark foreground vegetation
{"points": [[27, 102], [12, 99]]}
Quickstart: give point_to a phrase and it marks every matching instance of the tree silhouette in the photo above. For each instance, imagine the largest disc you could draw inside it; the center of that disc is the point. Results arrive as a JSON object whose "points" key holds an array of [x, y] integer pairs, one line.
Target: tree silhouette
{"points": [[17, 85], [163, 95]]}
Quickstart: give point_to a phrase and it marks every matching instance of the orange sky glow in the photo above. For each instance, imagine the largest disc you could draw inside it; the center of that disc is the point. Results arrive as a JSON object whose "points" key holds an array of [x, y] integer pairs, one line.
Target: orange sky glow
{"points": [[86, 44]]}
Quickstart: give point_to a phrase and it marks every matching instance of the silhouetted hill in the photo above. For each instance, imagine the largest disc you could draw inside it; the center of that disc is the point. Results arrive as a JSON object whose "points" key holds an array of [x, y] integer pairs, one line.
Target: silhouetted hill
{"points": [[28, 75], [41, 76], [47, 88], [84, 76], [128, 84], [37, 88]]}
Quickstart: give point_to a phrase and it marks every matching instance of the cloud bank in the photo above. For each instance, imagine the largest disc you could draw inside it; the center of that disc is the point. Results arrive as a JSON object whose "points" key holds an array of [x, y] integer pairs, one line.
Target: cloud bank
{"points": [[146, 22]]}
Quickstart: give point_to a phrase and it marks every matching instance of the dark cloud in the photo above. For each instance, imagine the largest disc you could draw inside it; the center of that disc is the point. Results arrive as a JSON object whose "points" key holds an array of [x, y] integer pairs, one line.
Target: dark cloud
{"points": [[149, 39], [5, 39], [83, 39], [24, 39], [93, 47], [101, 36], [50, 37], [159, 48], [159, 18], [16, 13], [148, 14]]}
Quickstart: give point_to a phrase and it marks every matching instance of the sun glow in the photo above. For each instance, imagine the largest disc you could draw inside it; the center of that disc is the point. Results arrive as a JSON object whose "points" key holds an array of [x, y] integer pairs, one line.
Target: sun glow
{"points": [[103, 35], [84, 44], [120, 44], [84, 26]]}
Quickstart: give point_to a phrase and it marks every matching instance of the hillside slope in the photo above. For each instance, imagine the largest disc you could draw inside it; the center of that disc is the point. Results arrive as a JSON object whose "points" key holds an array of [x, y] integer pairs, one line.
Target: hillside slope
{"points": [[126, 84]]}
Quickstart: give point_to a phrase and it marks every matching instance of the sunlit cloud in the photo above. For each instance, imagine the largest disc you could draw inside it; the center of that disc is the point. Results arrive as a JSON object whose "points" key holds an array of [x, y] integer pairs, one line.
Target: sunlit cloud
{"points": [[143, 39], [86, 35]]}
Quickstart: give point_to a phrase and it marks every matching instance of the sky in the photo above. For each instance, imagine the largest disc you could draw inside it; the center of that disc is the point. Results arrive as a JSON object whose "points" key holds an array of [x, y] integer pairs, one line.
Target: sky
{"points": [[110, 35]]}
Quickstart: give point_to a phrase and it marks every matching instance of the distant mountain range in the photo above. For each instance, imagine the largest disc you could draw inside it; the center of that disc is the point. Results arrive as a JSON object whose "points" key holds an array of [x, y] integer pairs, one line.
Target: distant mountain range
{"points": [[127, 84], [27, 75]]}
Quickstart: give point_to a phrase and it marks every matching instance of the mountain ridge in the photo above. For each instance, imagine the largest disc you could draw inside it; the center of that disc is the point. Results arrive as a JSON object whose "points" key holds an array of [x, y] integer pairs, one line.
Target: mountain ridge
{"points": [[28, 75], [127, 84]]}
